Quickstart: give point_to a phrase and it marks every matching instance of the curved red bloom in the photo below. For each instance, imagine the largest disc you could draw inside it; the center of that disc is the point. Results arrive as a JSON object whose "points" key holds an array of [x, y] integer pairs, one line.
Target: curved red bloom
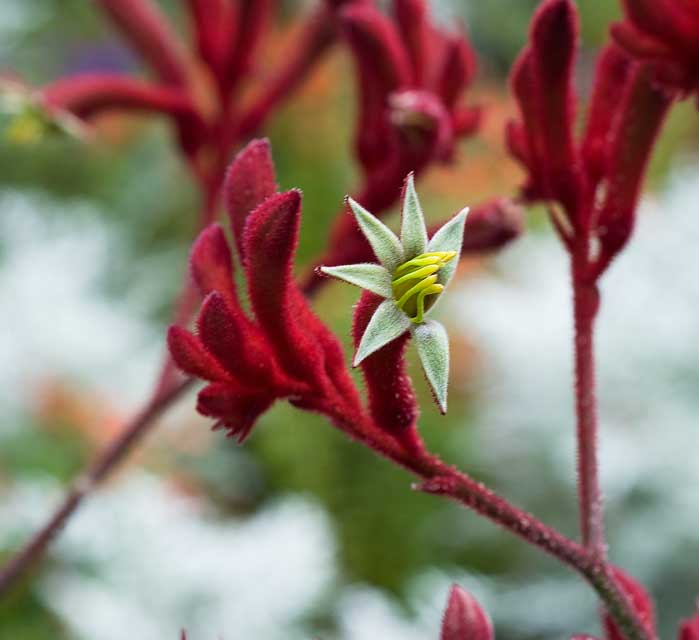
{"points": [[391, 396], [226, 38], [281, 349], [412, 76], [592, 184], [689, 628], [464, 618], [664, 33]]}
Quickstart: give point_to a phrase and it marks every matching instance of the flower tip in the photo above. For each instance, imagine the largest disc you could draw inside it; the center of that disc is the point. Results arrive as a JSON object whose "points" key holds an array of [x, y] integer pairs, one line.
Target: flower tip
{"points": [[465, 618]]}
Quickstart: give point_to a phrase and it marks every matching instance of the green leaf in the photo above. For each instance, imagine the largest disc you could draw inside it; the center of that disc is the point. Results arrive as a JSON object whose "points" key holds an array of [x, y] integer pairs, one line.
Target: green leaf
{"points": [[449, 237], [433, 349], [387, 323], [372, 277], [383, 241], [413, 233]]}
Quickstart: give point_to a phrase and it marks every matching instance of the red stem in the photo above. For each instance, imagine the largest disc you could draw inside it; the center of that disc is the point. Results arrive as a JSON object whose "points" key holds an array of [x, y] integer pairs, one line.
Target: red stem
{"points": [[83, 485], [168, 387], [585, 306], [442, 479]]}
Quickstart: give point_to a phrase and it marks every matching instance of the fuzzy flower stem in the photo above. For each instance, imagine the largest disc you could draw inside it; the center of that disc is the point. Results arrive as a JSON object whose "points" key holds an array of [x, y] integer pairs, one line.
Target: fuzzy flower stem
{"points": [[439, 478], [168, 388], [32, 552], [585, 306]]}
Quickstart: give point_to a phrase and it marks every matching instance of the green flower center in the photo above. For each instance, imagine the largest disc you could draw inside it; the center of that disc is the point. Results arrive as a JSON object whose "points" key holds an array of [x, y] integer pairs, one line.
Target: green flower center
{"points": [[415, 286]]}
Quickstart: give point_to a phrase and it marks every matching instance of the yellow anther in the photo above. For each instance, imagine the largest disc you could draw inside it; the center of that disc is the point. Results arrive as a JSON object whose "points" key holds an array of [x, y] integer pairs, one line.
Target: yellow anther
{"points": [[415, 285]]}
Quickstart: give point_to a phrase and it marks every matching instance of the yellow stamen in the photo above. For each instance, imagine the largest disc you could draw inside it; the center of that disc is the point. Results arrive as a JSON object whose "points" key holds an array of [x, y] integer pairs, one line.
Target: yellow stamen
{"points": [[415, 280]]}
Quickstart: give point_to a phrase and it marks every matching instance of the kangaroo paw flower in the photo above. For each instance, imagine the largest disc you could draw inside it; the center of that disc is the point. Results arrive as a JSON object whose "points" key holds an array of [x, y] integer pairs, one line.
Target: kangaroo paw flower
{"points": [[412, 273]]}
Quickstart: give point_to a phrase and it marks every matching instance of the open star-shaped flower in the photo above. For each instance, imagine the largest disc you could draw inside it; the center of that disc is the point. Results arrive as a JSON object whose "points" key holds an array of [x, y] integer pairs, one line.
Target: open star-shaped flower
{"points": [[413, 272]]}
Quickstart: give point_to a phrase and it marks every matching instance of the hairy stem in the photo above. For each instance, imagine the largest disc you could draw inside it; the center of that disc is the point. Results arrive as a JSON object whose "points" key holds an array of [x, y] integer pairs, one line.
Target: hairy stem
{"points": [[83, 485], [168, 387], [585, 306], [439, 478]]}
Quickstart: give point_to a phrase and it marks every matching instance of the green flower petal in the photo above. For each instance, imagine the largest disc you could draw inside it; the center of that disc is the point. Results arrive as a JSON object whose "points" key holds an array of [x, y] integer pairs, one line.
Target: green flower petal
{"points": [[433, 349], [413, 233], [449, 237], [383, 241], [387, 323], [372, 277]]}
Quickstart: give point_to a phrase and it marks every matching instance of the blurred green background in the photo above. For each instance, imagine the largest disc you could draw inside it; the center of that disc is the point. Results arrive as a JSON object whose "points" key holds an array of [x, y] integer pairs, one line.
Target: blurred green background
{"points": [[93, 248]]}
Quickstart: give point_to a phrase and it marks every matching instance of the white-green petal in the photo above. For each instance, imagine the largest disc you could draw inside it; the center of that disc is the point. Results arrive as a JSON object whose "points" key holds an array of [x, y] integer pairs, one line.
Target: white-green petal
{"points": [[433, 349], [387, 323], [413, 233], [449, 237], [372, 277], [383, 241]]}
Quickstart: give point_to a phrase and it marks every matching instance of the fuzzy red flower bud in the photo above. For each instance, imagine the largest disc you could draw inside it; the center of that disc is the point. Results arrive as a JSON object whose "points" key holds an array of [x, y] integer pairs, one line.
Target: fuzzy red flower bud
{"points": [[249, 181], [591, 186], [542, 83], [215, 24], [664, 33], [641, 114], [253, 18], [391, 397], [89, 94], [464, 618], [211, 264], [611, 74], [271, 235], [150, 33], [411, 17], [492, 225], [283, 350], [689, 628]]}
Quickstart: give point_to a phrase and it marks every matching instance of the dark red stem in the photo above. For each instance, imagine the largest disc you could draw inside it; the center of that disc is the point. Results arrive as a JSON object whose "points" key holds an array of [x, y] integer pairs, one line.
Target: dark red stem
{"points": [[83, 485], [585, 306]]}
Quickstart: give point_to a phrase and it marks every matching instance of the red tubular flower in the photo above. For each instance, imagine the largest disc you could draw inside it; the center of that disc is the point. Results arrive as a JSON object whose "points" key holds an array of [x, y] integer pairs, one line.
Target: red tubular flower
{"points": [[595, 182], [410, 112], [214, 23], [391, 397], [464, 618], [314, 39], [664, 33], [390, 59], [249, 180], [283, 350], [689, 628], [641, 602], [87, 94], [226, 38], [150, 33]]}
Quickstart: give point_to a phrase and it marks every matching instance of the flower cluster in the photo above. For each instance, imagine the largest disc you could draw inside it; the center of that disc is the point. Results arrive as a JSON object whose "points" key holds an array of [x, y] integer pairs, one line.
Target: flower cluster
{"points": [[283, 350], [664, 33], [591, 185], [198, 83]]}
